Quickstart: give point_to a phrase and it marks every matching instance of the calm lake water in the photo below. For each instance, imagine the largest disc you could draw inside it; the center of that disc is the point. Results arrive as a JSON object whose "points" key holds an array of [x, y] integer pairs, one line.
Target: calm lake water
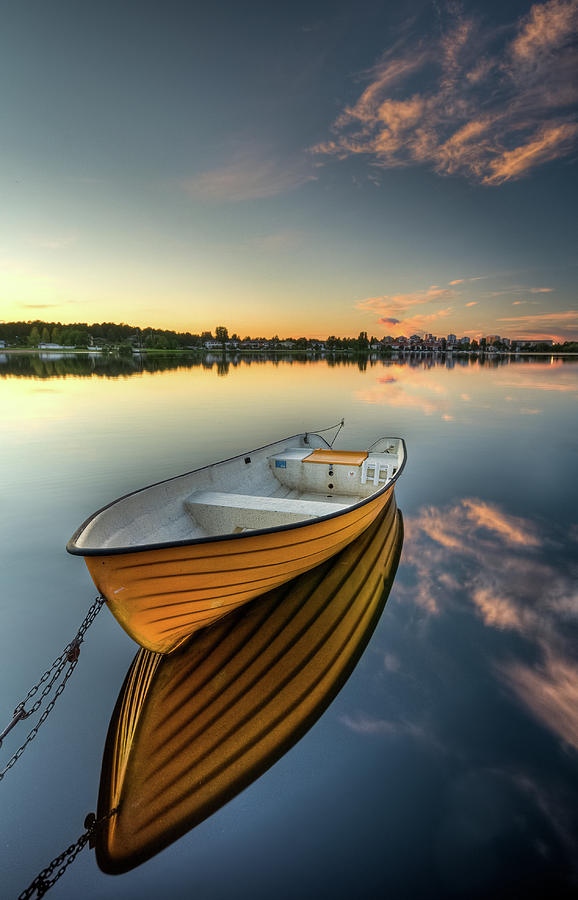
{"points": [[448, 764]]}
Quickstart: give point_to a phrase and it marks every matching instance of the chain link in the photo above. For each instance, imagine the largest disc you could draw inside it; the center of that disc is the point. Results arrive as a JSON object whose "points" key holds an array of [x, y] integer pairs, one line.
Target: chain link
{"points": [[69, 656], [56, 869]]}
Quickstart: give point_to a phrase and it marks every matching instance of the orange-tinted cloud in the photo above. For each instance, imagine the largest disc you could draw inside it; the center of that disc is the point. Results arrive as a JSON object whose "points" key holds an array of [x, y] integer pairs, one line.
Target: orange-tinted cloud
{"points": [[389, 303], [391, 308], [526, 90], [546, 28], [407, 389], [476, 555], [570, 315], [511, 529], [564, 324], [545, 145], [550, 692], [248, 177]]}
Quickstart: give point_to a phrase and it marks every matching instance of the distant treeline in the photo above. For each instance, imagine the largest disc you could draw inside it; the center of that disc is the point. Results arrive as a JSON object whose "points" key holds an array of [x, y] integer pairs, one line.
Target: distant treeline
{"points": [[80, 334], [110, 334]]}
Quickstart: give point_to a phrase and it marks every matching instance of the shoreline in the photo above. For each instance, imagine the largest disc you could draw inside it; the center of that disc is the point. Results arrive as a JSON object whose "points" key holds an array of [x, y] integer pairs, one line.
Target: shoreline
{"points": [[31, 351]]}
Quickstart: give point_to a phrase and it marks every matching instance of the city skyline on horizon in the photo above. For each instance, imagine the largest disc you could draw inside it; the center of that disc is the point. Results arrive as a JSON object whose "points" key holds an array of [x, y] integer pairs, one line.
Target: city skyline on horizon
{"points": [[307, 170], [207, 336]]}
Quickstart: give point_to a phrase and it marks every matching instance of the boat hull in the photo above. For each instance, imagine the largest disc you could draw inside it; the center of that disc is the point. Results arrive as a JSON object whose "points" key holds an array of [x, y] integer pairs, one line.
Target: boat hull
{"points": [[162, 596], [192, 730]]}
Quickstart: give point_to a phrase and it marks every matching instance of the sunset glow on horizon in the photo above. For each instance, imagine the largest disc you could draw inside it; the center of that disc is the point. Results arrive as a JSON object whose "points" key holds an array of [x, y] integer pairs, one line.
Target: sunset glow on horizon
{"points": [[300, 172]]}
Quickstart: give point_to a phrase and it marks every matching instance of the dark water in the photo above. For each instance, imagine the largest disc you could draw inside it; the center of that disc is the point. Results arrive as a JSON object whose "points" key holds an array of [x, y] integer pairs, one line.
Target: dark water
{"points": [[447, 766]]}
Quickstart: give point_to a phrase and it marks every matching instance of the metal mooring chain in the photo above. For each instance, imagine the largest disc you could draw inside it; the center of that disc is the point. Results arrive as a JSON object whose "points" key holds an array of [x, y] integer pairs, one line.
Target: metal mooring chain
{"points": [[68, 656], [54, 870]]}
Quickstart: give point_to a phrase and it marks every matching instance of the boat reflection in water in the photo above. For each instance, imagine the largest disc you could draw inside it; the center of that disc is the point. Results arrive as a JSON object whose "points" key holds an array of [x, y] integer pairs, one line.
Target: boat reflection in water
{"points": [[191, 730]]}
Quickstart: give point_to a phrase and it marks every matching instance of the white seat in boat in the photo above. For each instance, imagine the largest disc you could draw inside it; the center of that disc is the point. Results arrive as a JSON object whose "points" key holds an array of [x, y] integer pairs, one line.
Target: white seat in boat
{"points": [[221, 513], [308, 508]]}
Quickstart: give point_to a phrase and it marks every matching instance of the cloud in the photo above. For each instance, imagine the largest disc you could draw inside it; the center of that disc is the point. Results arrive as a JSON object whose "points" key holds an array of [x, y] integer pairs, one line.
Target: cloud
{"points": [[387, 303], [472, 303], [422, 321], [39, 305], [364, 724], [248, 178], [550, 692], [492, 122], [546, 28], [457, 281], [533, 384], [541, 290], [391, 307], [514, 530], [506, 571], [407, 389], [545, 145], [536, 326]]}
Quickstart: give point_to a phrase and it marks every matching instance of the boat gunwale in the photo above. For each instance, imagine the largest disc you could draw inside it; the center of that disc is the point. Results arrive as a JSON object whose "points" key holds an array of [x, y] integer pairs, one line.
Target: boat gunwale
{"points": [[75, 550]]}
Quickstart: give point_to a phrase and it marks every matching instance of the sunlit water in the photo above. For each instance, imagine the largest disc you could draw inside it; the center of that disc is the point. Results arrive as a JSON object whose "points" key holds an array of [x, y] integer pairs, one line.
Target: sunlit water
{"points": [[447, 765]]}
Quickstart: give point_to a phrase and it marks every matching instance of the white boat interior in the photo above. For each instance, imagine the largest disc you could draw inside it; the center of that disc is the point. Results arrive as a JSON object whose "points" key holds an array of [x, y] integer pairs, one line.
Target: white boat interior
{"points": [[293, 480]]}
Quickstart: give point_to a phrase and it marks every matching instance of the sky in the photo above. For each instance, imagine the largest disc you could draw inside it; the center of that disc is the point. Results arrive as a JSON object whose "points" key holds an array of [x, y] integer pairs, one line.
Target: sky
{"points": [[295, 169]]}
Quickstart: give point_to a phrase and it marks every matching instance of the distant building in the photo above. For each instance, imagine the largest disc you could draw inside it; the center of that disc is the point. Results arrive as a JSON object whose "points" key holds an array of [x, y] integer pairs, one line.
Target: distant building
{"points": [[2, 344], [492, 339], [465, 341], [452, 338], [48, 346]]}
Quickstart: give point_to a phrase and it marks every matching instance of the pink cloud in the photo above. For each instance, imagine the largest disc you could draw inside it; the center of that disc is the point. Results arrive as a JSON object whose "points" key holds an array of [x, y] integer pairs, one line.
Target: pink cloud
{"points": [[545, 145], [563, 325], [407, 389], [568, 316], [472, 303], [547, 27], [388, 303], [509, 587], [514, 530], [250, 176], [550, 692], [391, 308], [527, 87]]}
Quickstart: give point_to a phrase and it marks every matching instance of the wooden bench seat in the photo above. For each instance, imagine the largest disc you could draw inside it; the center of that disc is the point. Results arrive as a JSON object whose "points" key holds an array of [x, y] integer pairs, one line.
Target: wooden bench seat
{"points": [[224, 513]]}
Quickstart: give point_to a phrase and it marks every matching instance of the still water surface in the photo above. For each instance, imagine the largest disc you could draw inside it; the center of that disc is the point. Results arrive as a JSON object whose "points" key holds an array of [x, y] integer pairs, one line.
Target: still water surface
{"points": [[448, 764]]}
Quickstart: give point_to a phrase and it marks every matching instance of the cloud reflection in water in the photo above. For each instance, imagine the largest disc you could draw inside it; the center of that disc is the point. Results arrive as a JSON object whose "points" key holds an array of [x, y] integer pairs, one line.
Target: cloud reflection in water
{"points": [[482, 629]]}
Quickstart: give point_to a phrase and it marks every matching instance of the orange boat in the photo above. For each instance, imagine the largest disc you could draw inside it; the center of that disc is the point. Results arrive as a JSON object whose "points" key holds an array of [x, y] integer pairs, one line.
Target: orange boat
{"points": [[191, 730], [176, 556]]}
